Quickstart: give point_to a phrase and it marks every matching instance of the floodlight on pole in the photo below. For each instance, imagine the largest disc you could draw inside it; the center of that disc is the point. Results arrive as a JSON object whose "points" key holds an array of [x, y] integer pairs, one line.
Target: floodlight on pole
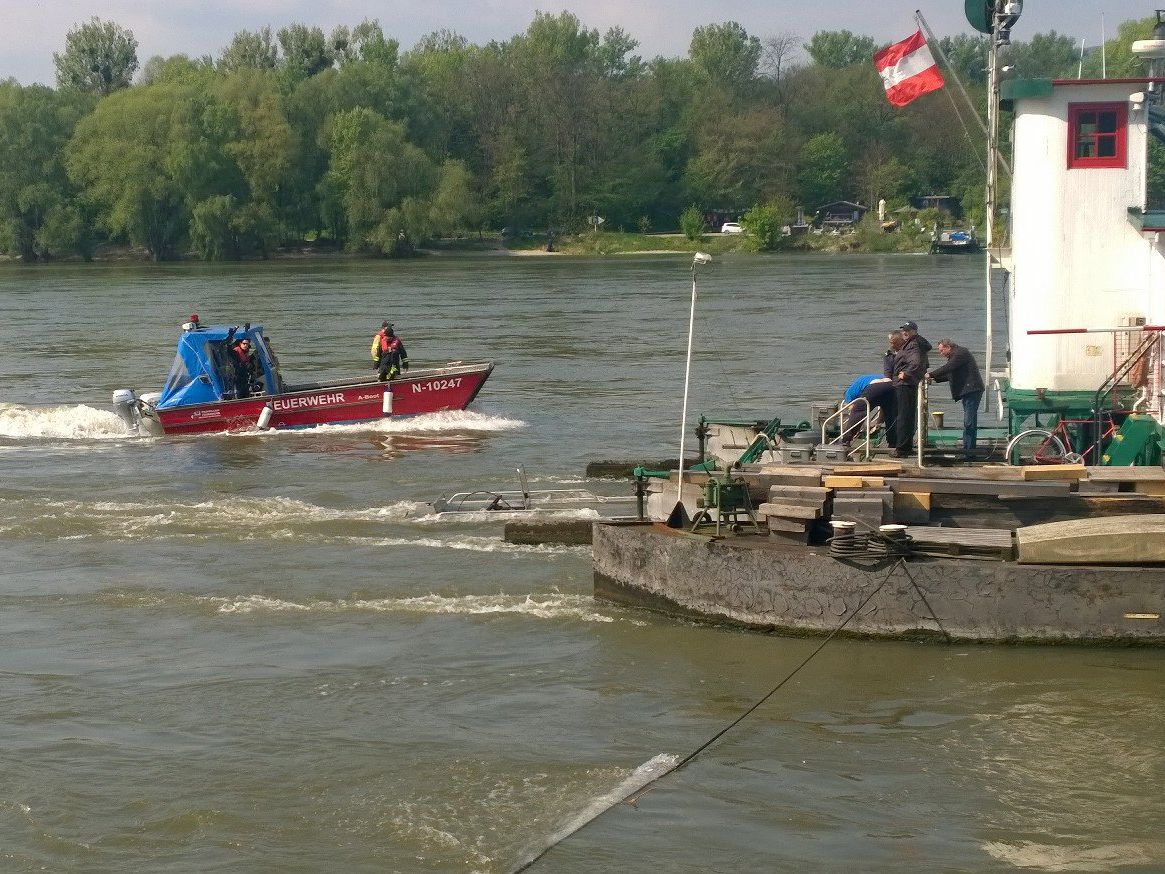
{"points": [[700, 259]]}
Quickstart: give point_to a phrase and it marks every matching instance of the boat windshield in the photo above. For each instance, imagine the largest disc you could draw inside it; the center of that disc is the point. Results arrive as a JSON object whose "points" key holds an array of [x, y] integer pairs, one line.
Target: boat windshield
{"points": [[204, 370], [179, 376]]}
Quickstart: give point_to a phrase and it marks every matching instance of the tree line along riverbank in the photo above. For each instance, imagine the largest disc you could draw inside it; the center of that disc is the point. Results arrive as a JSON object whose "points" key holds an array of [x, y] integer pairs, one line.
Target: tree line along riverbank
{"points": [[297, 141]]}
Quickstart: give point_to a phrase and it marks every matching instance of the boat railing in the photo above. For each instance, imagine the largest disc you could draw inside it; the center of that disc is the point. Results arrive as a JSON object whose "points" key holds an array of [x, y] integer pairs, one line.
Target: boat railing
{"points": [[868, 424], [1107, 394], [922, 414]]}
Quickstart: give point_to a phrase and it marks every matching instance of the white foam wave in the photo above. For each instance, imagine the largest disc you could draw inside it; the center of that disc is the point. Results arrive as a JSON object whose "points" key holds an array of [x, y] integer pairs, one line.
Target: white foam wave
{"points": [[77, 422], [244, 519], [547, 606], [471, 544], [449, 422], [228, 512], [485, 517], [1046, 857]]}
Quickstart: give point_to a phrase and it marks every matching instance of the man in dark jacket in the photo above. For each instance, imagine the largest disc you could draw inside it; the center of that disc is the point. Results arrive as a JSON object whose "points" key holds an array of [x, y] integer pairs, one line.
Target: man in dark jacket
{"points": [[388, 353], [910, 364], [962, 372]]}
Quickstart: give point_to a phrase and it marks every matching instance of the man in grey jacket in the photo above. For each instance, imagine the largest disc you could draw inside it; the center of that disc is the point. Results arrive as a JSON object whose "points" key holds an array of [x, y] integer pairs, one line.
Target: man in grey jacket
{"points": [[962, 372]]}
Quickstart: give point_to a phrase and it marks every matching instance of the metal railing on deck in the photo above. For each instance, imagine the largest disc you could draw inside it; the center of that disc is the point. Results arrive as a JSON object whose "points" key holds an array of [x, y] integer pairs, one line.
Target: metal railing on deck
{"points": [[870, 421], [868, 424], [1107, 393], [921, 409]]}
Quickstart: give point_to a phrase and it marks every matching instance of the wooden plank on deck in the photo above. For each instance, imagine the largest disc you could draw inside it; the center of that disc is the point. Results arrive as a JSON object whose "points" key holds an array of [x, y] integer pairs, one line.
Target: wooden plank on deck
{"points": [[1015, 488], [963, 541], [1126, 474], [1045, 472]]}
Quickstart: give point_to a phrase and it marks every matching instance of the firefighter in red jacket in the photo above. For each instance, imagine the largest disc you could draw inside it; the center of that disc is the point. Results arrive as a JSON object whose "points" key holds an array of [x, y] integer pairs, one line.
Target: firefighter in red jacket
{"points": [[243, 358], [388, 352]]}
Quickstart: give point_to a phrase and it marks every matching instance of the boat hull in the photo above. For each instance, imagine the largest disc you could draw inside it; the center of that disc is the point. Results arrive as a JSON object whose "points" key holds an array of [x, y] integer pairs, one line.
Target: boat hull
{"points": [[425, 391]]}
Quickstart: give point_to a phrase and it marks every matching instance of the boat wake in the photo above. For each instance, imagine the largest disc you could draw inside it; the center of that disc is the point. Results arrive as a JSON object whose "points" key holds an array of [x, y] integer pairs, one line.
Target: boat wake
{"points": [[1045, 857], [242, 519], [82, 422], [488, 517], [447, 423], [75, 422], [539, 606]]}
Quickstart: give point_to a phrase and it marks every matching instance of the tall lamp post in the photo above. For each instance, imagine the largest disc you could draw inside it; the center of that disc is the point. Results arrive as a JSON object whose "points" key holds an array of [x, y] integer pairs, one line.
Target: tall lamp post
{"points": [[700, 259]]}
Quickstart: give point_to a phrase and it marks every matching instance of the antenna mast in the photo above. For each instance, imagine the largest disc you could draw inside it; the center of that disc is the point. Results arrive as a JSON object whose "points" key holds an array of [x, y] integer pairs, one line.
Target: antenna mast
{"points": [[994, 17]]}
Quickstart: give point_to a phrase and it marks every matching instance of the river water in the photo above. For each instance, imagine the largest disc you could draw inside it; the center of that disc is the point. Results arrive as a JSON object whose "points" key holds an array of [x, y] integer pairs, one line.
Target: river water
{"points": [[264, 653]]}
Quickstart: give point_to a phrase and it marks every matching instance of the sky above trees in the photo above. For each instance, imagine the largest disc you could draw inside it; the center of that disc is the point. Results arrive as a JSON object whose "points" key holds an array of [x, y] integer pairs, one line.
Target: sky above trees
{"points": [[33, 31]]}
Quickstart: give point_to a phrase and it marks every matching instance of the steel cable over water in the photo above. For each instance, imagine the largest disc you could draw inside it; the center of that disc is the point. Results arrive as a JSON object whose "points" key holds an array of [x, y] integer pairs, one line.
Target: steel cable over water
{"points": [[635, 794]]}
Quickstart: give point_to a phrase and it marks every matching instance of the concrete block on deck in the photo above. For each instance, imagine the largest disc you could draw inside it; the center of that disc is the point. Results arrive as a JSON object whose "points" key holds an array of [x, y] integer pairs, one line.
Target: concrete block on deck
{"points": [[792, 476], [869, 510], [778, 493], [789, 511]]}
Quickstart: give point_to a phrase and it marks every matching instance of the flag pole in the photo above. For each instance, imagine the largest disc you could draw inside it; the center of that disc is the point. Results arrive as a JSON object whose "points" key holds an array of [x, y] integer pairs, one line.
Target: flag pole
{"points": [[992, 178], [933, 41]]}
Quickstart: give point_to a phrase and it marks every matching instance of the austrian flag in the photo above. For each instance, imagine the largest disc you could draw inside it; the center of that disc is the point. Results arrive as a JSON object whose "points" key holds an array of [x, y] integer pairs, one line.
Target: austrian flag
{"points": [[908, 70]]}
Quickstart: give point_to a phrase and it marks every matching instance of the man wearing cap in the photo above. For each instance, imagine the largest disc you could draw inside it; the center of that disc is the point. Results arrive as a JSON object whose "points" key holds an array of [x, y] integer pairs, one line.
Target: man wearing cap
{"points": [[388, 353], [910, 365], [962, 371]]}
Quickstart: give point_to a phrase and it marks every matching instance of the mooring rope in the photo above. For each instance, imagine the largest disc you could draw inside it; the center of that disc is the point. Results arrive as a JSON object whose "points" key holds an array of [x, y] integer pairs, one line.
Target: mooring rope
{"points": [[631, 799]]}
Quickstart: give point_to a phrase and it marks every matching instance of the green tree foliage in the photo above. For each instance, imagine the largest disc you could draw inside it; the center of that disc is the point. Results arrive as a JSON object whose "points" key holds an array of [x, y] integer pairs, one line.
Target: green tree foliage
{"points": [[1118, 59], [823, 167], [175, 68], [306, 51], [615, 55], [212, 228], [342, 137], [99, 57], [968, 56], [365, 42], [765, 223], [1155, 181], [455, 204], [250, 51], [377, 185], [1051, 54], [725, 55], [38, 218], [840, 48], [692, 223], [145, 156], [740, 159]]}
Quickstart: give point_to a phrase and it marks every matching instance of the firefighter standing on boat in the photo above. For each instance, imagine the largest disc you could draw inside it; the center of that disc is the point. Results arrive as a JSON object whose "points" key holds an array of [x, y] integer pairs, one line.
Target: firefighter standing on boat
{"points": [[388, 352]]}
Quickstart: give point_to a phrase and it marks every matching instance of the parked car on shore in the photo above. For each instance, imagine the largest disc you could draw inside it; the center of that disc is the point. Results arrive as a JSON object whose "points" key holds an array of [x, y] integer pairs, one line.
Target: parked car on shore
{"points": [[731, 228]]}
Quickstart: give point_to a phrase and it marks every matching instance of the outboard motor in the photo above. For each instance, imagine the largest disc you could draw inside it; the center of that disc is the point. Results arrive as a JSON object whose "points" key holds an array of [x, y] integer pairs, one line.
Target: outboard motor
{"points": [[126, 404]]}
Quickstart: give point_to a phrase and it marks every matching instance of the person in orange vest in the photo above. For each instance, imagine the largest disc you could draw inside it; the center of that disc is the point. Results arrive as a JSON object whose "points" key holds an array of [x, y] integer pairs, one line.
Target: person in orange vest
{"points": [[243, 358], [388, 353]]}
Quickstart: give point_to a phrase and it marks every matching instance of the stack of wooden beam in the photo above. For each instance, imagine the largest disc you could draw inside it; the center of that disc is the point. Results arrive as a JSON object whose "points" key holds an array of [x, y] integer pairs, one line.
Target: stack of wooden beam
{"points": [[792, 511]]}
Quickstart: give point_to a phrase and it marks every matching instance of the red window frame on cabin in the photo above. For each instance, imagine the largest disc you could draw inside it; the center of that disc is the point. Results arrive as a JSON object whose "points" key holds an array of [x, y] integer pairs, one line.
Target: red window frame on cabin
{"points": [[1098, 135]]}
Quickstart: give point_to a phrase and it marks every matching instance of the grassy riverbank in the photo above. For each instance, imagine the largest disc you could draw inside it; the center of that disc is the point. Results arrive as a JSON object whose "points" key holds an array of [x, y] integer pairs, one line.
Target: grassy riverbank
{"points": [[588, 244], [605, 244]]}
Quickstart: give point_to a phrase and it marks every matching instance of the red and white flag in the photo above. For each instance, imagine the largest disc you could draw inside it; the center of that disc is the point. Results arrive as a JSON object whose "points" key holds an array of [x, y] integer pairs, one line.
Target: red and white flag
{"points": [[908, 70]]}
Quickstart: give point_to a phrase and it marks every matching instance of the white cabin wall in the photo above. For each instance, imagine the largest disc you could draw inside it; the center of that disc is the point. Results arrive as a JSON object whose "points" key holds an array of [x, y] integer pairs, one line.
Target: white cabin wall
{"points": [[1078, 261]]}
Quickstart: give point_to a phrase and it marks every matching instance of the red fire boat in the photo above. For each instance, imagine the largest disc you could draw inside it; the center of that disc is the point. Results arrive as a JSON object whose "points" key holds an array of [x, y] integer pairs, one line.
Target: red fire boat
{"points": [[207, 391]]}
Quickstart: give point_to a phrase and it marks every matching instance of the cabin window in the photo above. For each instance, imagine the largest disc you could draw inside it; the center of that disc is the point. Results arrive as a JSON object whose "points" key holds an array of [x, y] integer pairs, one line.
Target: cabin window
{"points": [[1097, 135]]}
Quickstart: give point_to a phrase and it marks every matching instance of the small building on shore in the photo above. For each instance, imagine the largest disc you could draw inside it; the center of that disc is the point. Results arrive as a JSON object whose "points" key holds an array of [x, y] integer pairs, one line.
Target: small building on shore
{"points": [[839, 216]]}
